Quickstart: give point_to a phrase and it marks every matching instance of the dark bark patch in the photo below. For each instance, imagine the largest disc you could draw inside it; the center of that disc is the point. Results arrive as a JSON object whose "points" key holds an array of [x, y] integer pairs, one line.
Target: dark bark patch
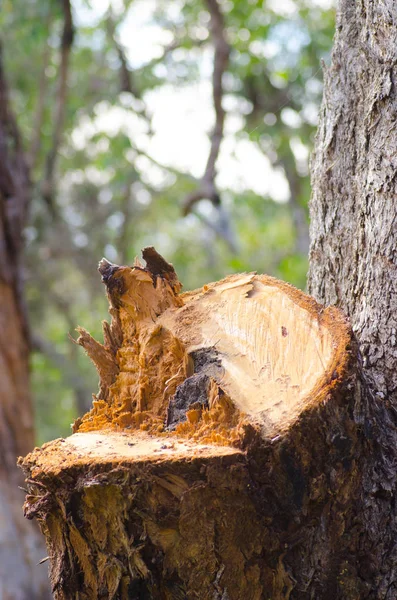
{"points": [[295, 477], [192, 393], [107, 270], [74, 510], [157, 266], [206, 359], [343, 445], [115, 285]]}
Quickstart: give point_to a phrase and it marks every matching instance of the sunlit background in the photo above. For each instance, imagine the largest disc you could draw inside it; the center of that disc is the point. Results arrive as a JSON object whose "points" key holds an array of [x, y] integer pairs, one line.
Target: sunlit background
{"points": [[116, 154]]}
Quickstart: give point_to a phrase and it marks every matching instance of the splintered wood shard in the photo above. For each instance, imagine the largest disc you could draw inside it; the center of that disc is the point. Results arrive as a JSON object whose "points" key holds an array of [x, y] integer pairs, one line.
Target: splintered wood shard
{"points": [[220, 447], [264, 349], [102, 358]]}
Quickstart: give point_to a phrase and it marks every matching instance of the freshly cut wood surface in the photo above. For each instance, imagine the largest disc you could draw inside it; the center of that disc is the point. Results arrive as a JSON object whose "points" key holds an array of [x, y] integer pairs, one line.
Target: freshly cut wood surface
{"points": [[104, 448], [277, 349]]}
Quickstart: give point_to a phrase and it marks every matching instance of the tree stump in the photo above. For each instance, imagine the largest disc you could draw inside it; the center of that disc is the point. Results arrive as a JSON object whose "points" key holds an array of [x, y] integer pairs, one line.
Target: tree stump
{"points": [[219, 458]]}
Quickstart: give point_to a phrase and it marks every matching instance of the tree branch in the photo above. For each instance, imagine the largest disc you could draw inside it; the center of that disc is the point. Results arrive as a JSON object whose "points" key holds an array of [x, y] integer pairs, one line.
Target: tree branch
{"points": [[174, 45], [47, 187], [207, 188], [127, 83], [299, 218], [127, 80], [14, 199], [298, 213], [35, 144], [14, 175], [159, 164], [124, 237]]}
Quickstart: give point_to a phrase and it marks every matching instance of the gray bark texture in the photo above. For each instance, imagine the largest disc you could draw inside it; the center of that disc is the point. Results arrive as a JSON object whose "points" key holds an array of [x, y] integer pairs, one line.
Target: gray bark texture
{"points": [[353, 259]]}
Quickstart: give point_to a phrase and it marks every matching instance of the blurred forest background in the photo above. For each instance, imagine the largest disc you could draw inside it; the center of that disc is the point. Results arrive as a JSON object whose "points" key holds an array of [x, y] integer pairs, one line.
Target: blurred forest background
{"points": [[182, 124]]}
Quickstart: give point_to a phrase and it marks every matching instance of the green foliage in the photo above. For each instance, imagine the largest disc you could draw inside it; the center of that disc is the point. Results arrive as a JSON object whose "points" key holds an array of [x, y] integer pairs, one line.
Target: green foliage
{"points": [[56, 409], [115, 192]]}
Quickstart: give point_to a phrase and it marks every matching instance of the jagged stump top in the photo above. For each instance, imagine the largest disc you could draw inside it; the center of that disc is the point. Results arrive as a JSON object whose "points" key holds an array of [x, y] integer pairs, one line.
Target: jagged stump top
{"points": [[245, 352]]}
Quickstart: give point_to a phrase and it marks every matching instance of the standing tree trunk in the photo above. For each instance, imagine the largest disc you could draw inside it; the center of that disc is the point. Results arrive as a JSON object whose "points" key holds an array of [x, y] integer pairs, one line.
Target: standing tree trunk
{"points": [[353, 259], [243, 441], [20, 545]]}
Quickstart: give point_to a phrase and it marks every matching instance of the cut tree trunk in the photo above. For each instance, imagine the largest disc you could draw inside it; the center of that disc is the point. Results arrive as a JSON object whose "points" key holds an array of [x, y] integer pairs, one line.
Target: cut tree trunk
{"points": [[21, 546], [219, 460]]}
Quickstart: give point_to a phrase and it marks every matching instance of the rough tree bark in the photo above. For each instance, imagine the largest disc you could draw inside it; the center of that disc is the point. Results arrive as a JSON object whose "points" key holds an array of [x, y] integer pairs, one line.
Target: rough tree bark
{"points": [[353, 255], [21, 547], [210, 478]]}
